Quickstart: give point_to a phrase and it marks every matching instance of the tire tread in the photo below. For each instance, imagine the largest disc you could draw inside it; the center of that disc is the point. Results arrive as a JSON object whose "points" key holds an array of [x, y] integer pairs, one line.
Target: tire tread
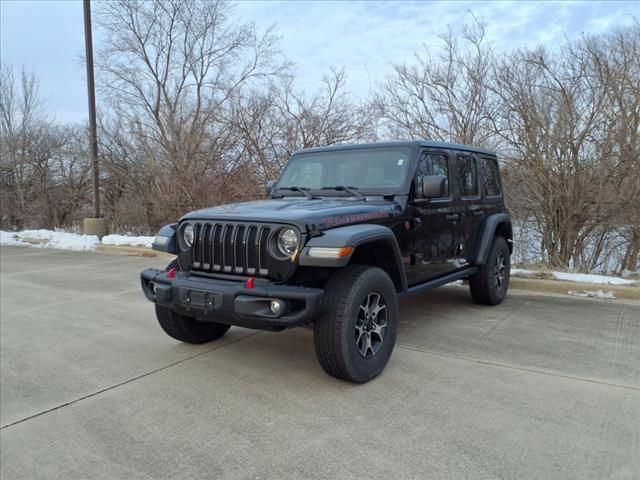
{"points": [[330, 350], [481, 283], [187, 329]]}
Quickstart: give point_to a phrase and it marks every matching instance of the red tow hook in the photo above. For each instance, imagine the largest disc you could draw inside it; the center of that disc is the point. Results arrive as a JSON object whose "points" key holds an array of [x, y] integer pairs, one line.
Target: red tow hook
{"points": [[250, 281], [172, 273]]}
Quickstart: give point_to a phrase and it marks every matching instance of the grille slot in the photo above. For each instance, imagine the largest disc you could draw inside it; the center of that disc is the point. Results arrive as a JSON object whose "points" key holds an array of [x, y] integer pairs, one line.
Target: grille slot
{"points": [[262, 253], [215, 246], [252, 251], [239, 249], [207, 230], [230, 248], [227, 251]]}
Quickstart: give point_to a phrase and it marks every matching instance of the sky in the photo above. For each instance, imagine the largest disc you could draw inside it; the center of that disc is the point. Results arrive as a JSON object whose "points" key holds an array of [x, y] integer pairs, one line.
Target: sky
{"points": [[365, 37]]}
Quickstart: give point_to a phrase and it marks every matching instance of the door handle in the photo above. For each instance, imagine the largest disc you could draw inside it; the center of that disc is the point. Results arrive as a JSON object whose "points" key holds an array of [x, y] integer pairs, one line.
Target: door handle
{"points": [[453, 217], [478, 213]]}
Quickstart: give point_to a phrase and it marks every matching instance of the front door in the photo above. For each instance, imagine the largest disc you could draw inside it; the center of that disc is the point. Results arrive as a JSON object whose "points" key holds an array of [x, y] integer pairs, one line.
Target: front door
{"points": [[437, 225]]}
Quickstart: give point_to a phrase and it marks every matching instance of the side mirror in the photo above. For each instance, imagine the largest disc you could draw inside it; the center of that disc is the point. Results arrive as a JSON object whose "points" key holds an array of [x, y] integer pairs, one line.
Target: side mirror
{"points": [[269, 186], [433, 186]]}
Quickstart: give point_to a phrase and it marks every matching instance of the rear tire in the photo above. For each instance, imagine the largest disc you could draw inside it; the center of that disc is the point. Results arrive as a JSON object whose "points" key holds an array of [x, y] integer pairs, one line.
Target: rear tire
{"points": [[356, 332], [490, 283], [187, 329]]}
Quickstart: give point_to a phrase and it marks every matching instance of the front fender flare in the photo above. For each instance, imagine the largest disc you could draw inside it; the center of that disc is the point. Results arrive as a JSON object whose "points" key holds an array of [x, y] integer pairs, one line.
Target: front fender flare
{"points": [[355, 236], [167, 235]]}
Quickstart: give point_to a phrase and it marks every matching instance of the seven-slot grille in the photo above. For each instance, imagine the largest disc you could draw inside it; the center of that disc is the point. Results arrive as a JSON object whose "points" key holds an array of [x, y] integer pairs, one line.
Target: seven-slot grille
{"points": [[230, 248]]}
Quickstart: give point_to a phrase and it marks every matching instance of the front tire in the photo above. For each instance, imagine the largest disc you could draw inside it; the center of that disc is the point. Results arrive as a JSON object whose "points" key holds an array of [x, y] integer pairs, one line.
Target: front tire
{"points": [[490, 283], [356, 332], [187, 329]]}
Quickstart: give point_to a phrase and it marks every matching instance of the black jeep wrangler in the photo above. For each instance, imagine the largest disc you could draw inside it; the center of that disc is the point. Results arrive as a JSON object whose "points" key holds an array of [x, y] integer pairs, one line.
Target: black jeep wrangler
{"points": [[344, 233]]}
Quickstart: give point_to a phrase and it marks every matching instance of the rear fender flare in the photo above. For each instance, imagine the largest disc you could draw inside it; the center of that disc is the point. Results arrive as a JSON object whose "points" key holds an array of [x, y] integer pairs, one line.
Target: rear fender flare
{"points": [[491, 224]]}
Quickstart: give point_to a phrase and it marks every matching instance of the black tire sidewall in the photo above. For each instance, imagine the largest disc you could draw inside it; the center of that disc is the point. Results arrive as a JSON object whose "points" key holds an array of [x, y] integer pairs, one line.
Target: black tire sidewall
{"points": [[498, 295], [184, 328], [358, 368]]}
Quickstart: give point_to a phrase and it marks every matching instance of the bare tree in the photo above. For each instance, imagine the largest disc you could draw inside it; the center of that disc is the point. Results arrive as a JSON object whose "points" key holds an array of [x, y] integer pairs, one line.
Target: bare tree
{"points": [[619, 61], [443, 97], [276, 123], [169, 72], [562, 131], [28, 141], [71, 181]]}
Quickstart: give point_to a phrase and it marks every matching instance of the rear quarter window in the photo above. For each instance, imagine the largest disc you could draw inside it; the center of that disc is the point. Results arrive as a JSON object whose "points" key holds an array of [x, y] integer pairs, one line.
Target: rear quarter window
{"points": [[491, 177], [467, 176]]}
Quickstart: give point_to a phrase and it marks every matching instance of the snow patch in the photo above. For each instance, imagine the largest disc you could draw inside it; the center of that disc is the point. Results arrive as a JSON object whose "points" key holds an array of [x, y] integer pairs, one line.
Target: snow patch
{"points": [[590, 278], [37, 235], [60, 240], [50, 239], [10, 239], [68, 241], [593, 294], [126, 240], [575, 277], [519, 272]]}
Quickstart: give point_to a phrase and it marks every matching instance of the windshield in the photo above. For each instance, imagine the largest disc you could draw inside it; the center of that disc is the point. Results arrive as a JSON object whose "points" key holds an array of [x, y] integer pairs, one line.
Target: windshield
{"points": [[368, 169]]}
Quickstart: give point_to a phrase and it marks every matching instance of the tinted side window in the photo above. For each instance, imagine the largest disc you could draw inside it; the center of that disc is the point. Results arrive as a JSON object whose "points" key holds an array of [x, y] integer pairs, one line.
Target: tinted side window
{"points": [[467, 176], [433, 164], [491, 177]]}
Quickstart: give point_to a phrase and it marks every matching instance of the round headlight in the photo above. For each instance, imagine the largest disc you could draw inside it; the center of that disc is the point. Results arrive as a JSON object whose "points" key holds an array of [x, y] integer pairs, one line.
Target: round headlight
{"points": [[187, 235], [287, 241]]}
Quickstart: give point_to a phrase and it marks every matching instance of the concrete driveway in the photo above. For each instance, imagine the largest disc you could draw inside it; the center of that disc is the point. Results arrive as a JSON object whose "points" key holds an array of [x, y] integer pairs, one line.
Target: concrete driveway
{"points": [[540, 387]]}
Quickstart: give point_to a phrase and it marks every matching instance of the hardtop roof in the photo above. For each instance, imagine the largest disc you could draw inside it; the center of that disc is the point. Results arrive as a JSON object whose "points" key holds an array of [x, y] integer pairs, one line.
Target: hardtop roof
{"points": [[400, 143]]}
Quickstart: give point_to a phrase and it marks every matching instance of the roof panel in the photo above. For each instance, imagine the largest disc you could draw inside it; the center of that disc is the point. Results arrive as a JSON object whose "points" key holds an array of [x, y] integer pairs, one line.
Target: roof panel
{"points": [[400, 143]]}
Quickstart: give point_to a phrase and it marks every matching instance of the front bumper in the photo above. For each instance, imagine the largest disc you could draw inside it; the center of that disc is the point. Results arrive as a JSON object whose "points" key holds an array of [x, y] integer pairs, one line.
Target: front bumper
{"points": [[231, 302]]}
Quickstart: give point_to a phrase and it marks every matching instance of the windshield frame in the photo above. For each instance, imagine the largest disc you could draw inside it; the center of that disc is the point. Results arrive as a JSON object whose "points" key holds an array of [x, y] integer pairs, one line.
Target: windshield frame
{"points": [[402, 189]]}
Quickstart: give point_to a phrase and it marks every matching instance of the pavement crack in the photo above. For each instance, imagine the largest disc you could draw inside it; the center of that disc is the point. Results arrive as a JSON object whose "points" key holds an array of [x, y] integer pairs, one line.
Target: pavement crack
{"points": [[522, 369], [125, 382]]}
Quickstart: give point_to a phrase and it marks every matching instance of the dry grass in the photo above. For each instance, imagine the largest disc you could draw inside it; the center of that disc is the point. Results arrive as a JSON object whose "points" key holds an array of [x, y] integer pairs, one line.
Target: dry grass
{"points": [[132, 251], [558, 286]]}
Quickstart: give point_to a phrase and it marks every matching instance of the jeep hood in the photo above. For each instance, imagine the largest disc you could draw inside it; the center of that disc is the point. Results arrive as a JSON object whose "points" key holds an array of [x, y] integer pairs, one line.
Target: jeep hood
{"points": [[323, 213]]}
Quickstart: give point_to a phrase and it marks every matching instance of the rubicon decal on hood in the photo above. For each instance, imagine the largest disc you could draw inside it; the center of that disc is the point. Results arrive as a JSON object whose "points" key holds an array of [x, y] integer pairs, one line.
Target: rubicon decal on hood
{"points": [[351, 218]]}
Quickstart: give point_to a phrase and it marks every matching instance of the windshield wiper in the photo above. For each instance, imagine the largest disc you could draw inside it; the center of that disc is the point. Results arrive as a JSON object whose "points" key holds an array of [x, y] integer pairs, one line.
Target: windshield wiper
{"points": [[340, 188], [295, 188]]}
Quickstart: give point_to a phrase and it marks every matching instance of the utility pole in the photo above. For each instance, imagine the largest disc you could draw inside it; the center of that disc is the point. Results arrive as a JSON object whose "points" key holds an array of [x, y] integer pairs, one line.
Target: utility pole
{"points": [[96, 225], [88, 42]]}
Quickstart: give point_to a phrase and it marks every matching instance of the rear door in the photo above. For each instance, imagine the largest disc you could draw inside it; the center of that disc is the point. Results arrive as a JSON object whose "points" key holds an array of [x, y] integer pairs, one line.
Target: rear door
{"points": [[467, 195], [437, 224], [492, 199]]}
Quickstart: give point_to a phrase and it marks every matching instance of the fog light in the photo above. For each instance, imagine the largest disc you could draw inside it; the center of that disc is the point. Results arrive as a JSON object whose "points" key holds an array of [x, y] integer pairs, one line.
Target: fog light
{"points": [[276, 307]]}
